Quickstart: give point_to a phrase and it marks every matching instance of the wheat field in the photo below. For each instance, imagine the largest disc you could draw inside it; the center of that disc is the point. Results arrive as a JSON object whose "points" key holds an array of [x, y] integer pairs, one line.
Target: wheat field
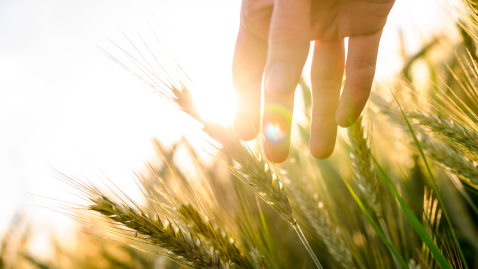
{"points": [[401, 190]]}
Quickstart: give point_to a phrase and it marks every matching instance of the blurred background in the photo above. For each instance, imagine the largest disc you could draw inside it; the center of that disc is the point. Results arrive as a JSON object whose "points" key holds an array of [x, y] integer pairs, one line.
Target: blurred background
{"points": [[63, 102]]}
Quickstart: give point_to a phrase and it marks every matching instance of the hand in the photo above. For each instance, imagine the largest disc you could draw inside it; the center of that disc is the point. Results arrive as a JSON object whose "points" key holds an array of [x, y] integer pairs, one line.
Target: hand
{"points": [[274, 39]]}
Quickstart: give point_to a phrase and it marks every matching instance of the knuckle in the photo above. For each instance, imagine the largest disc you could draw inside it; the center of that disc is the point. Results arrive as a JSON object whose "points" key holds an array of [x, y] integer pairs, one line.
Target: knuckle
{"points": [[250, 10], [286, 34], [331, 45], [256, 16], [330, 83], [363, 65]]}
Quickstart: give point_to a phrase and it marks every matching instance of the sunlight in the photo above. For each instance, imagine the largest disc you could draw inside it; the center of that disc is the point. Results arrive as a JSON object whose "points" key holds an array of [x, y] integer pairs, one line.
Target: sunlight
{"points": [[218, 105]]}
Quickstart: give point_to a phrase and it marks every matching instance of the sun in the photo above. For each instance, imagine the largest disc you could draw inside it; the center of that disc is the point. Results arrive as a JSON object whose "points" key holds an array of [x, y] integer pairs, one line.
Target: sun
{"points": [[217, 105]]}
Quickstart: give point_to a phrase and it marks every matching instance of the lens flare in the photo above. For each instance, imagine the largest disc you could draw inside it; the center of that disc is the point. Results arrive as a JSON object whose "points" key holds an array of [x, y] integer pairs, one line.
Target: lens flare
{"points": [[277, 127], [274, 132]]}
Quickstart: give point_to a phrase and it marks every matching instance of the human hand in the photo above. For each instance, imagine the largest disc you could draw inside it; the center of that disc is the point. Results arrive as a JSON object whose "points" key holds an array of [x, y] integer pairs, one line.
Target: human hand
{"points": [[274, 39]]}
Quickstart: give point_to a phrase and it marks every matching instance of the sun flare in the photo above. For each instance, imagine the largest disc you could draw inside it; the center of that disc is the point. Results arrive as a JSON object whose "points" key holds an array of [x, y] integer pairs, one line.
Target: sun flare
{"points": [[218, 105]]}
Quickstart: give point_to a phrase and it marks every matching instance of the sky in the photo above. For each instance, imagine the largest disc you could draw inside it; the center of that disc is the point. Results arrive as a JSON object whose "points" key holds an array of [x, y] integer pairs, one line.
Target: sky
{"points": [[63, 102]]}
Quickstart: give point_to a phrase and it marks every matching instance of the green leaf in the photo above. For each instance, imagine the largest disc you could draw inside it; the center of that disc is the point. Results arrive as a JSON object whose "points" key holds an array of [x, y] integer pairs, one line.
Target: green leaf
{"points": [[417, 225], [435, 187], [377, 228]]}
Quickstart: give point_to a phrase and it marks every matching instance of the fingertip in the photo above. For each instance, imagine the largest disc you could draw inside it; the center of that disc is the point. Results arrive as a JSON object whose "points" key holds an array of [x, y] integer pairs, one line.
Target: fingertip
{"points": [[360, 70], [322, 152], [246, 134], [275, 156], [276, 143], [345, 121], [322, 145], [276, 126], [350, 107], [246, 126], [326, 77]]}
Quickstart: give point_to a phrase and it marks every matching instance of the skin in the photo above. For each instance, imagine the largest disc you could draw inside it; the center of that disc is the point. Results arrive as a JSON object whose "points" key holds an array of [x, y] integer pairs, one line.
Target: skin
{"points": [[271, 49]]}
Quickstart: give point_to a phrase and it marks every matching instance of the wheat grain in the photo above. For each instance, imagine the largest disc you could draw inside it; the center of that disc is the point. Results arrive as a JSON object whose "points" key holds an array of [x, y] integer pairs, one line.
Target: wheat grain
{"points": [[253, 171], [363, 166], [450, 158], [365, 173], [320, 220], [458, 133], [447, 156], [318, 217], [182, 246], [226, 246], [259, 260], [413, 264]]}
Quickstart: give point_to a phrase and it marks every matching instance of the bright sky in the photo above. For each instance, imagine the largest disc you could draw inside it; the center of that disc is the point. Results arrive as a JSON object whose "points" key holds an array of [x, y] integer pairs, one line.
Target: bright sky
{"points": [[62, 101]]}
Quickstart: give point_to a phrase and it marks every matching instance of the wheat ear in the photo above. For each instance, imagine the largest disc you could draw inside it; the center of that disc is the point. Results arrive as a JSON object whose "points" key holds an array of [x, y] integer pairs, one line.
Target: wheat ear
{"points": [[182, 246], [450, 158], [413, 264], [225, 245], [330, 235], [458, 133], [365, 173], [363, 166], [253, 171], [447, 156], [258, 260], [431, 217], [318, 217]]}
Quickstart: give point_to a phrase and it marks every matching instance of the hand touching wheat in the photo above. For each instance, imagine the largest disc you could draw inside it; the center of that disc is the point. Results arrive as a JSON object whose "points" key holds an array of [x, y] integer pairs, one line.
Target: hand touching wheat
{"points": [[274, 39]]}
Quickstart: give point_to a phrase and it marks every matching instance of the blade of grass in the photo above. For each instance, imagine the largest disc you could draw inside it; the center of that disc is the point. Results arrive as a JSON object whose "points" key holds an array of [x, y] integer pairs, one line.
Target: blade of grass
{"points": [[377, 228], [414, 221], [435, 186]]}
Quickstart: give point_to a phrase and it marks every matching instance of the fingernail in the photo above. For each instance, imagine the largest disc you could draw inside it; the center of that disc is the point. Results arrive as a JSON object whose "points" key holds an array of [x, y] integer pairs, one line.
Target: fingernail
{"points": [[276, 78]]}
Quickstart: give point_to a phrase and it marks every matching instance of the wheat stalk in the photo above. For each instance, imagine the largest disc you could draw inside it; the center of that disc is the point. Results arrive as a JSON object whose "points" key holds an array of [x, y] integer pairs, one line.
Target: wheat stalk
{"points": [[182, 246], [458, 133], [225, 245]]}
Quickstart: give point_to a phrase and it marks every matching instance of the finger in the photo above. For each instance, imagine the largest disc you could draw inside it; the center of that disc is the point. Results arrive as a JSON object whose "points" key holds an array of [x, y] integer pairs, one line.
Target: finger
{"points": [[360, 70], [289, 41], [247, 69], [276, 126], [326, 76]]}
